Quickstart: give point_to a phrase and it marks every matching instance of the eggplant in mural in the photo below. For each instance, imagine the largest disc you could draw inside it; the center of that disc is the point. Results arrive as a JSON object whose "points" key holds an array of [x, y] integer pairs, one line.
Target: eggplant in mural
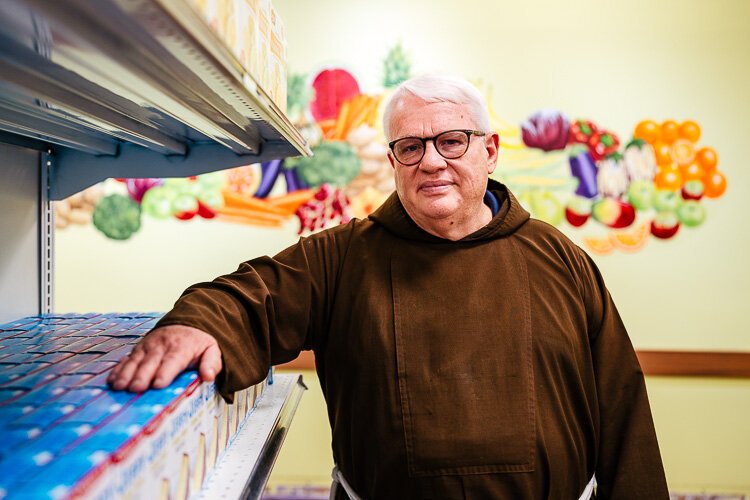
{"points": [[616, 190]]}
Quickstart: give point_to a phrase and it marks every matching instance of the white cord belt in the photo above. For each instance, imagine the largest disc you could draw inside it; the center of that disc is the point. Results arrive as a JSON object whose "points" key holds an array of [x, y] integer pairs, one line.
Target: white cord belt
{"points": [[588, 491], [338, 479]]}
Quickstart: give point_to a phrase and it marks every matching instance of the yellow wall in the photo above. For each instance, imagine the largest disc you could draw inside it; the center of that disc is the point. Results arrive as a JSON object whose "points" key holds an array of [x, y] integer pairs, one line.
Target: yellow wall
{"points": [[614, 62], [702, 427]]}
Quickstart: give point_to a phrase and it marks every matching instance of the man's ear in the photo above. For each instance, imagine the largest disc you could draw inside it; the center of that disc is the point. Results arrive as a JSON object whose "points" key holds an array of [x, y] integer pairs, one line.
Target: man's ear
{"points": [[492, 144], [390, 159]]}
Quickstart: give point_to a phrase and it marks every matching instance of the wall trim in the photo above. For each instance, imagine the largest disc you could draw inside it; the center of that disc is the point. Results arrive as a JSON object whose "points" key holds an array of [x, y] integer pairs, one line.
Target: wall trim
{"points": [[696, 363], [664, 363]]}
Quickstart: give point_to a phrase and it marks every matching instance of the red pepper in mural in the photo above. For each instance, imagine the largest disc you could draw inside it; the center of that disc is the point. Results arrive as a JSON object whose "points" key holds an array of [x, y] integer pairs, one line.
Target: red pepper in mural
{"points": [[603, 144], [581, 131]]}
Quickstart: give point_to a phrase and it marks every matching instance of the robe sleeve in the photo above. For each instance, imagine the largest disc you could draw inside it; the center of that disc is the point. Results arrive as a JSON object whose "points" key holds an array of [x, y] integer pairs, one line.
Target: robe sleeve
{"points": [[268, 310], [628, 463]]}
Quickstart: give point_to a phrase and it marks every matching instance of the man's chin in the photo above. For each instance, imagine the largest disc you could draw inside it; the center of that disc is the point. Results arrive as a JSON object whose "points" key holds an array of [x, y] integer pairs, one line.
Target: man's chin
{"points": [[440, 208]]}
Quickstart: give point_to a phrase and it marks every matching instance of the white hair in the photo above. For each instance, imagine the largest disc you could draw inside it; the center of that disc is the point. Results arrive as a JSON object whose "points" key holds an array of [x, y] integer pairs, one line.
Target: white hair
{"points": [[439, 88]]}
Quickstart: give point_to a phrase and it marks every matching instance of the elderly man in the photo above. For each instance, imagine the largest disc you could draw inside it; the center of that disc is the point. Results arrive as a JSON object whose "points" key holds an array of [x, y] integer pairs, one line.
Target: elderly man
{"points": [[464, 349]]}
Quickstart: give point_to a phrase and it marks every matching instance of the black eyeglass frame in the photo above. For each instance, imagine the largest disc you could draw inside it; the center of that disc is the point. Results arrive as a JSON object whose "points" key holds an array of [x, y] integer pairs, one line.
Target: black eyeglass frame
{"points": [[469, 133]]}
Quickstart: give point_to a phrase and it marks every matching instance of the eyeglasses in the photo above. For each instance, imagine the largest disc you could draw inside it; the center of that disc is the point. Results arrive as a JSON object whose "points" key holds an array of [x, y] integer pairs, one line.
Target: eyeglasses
{"points": [[451, 144]]}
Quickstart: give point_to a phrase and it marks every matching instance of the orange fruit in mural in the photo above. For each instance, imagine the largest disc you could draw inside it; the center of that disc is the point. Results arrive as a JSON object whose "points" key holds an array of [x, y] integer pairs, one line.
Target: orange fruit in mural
{"points": [[692, 172], [707, 158], [714, 184], [683, 152], [662, 152], [647, 130], [599, 246], [670, 131], [631, 241], [669, 179], [690, 130]]}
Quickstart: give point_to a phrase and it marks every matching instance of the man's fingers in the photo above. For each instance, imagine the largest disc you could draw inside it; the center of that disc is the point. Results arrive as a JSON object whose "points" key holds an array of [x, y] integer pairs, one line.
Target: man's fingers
{"points": [[144, 373], [172, 364], [210, 363], [162, 354], [123, 373]]}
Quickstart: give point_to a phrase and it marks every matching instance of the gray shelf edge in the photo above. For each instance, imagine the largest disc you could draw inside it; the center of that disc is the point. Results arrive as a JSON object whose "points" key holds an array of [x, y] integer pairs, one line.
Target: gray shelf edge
{"points": [[251, 486]]}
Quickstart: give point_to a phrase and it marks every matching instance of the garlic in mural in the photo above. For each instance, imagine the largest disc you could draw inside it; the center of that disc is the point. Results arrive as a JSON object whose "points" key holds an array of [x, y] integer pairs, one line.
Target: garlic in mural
{"points": [[376, 171], [639, 160], [77, 208], [612, 178]]}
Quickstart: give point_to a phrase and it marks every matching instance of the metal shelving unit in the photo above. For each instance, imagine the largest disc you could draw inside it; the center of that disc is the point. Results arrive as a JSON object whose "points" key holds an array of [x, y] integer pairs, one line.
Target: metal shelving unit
{"points": [[130, 88], [121, 88], [114, 88]]}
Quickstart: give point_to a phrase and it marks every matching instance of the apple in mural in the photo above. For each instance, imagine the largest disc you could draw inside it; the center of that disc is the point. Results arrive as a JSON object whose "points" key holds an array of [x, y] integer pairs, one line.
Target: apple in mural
{"points": [[641, 194], [544, 205], [692, 190], [613, 213], [578, 210], [666, 200], [665, 225], [691, 213]]}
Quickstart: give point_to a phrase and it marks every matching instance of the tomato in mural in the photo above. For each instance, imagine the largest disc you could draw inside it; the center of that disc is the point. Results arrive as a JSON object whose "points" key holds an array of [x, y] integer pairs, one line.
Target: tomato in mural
{"points": [[617, 189]]}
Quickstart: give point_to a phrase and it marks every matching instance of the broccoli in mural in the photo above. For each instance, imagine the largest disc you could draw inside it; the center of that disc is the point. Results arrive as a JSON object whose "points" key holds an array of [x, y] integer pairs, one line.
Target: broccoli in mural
{"points": [[617, 189], [117, 216]]}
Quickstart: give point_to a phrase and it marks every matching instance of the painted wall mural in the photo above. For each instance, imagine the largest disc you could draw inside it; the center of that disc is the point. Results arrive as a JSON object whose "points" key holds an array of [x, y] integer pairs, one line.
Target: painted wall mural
{"points": [[576, 173], [617, 189]]}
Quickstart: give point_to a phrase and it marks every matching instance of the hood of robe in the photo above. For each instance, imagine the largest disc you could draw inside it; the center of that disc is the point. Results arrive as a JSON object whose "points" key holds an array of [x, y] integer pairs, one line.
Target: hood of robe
{"points": [[393, 216]]}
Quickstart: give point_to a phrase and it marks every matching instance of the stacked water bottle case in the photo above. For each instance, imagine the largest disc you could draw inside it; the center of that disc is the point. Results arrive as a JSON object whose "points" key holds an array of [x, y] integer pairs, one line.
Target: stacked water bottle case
{"points": [[65, 434], [134, 89]]}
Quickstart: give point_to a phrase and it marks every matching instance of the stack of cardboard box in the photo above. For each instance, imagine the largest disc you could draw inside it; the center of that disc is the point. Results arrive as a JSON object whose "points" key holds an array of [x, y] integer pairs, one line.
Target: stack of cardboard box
{"points": [[254, 32]]}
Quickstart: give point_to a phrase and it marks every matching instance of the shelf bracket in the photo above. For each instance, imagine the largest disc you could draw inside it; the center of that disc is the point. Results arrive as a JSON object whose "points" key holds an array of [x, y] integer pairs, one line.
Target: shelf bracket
{"points": [[73, 170]]}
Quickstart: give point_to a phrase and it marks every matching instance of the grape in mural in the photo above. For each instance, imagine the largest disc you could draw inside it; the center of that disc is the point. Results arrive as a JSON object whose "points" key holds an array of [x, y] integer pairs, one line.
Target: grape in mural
{"points": [[617, 190]]}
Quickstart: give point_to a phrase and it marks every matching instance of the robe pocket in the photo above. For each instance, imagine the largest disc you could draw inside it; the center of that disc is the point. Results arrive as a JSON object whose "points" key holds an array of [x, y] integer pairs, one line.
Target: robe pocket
{"points": [[465, 372], [462, 425]]}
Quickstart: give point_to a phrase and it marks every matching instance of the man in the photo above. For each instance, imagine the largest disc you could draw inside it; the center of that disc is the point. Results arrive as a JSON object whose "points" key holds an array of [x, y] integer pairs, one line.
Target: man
{"points": [[464, 349]]}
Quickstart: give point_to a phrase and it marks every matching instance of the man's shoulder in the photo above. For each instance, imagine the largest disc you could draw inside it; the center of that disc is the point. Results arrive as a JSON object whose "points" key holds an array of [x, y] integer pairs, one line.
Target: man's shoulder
{"points": [[550, 239], [539, 229]]}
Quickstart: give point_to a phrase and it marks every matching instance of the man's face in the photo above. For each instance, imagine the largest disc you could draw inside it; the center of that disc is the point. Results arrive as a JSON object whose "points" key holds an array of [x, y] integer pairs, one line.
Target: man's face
{"points": [[438, 188]]}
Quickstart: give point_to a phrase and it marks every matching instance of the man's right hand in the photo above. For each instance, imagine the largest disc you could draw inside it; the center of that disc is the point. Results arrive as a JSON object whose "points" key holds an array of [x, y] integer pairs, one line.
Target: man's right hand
{"points": [[162, 355]]}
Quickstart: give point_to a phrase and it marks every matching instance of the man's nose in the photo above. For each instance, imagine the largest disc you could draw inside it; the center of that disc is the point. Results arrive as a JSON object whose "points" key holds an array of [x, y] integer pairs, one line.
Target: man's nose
{"points": [[432, 160]]}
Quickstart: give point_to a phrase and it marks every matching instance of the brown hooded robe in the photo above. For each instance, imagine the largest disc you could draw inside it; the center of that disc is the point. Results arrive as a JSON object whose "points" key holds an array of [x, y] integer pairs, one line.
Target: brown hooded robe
{"points": [[492, 367]]}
